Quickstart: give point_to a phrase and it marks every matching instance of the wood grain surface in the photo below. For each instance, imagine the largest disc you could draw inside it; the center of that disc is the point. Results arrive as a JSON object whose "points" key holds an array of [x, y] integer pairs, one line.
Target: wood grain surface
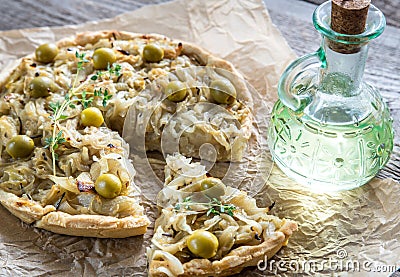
{"points": [[292, 17], [37, 13], [17, 14], [391, 9]]}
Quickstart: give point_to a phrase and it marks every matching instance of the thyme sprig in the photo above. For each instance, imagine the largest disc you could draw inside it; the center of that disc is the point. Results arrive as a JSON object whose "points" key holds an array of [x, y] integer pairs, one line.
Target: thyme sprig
{"points": [[219, 208], [214, 207], [58, 110], [71, 98]]}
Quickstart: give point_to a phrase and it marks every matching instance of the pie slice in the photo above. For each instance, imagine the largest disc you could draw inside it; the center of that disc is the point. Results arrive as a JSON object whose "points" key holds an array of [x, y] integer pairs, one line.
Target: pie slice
{"points": [[209, 229], [71, 205]]}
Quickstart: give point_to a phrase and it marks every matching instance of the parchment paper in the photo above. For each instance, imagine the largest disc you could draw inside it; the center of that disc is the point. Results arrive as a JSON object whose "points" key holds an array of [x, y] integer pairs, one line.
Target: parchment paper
{"points": [[361, 226]]}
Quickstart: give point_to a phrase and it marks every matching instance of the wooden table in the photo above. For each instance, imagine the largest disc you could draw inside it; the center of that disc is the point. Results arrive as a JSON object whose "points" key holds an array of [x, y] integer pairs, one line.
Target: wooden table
{"points": [[293, 18]]}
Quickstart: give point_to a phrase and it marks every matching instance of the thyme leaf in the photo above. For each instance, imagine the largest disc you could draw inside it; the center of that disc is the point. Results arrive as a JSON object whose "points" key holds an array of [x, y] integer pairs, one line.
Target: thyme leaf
{"points": [[103, 94], [86, 101], [54, 142], [114, 69], [81, 60], [106, 97], [215, 207]]}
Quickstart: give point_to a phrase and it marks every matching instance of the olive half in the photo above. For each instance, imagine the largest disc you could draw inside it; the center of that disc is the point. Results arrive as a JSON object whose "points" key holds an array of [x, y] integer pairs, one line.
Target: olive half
{"points": [[40, 86], [212, 187], [103, 58], [46, 53], [153, 53], [108, 185], [203, 243], [176, 91], [20, 146], [92, 117], [222, 91]]}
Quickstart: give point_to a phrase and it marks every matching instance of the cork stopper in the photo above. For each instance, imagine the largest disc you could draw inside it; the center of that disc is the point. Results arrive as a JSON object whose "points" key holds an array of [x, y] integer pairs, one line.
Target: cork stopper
{"points": [[348, 17]]}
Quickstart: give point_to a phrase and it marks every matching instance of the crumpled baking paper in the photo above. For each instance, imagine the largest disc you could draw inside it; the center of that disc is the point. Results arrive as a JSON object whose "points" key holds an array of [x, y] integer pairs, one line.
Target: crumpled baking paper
{"points": [[352, 233]]}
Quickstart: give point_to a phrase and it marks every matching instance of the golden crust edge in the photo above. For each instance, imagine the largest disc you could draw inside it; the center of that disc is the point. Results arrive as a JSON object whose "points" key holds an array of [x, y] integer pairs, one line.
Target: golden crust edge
{"points": [[236, 260], [24, 209], [99, 226], [48, 218]]}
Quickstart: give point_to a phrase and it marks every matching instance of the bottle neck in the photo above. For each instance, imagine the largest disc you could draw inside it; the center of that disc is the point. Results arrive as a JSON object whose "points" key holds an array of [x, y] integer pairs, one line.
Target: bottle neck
{"points": [[343, 73]]}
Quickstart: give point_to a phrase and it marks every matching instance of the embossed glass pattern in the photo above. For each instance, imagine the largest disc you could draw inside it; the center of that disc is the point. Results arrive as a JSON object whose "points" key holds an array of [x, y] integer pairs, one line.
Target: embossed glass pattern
{"points": [[329, 129]]}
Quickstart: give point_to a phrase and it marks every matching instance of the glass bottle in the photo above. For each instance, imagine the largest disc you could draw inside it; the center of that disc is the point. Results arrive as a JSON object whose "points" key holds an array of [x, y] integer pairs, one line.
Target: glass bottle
{"points": [[329, 129]]}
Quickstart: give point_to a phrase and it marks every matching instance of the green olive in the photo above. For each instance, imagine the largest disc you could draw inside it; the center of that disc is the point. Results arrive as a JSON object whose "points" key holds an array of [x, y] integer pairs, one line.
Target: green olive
{"points": [[203, 244], [108, 185], [212, 187], [20, 146], [41, 86], [176, 91], [46, 53], [103, 58], [222, 91], [153, 53], [92, 117]]}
